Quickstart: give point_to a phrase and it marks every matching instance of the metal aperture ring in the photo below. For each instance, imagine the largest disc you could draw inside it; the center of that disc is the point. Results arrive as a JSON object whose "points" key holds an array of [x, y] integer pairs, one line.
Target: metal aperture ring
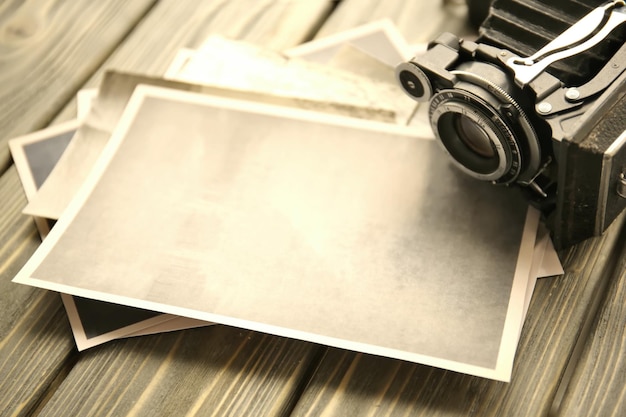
{"points": [[533, 161], [460, 102]]}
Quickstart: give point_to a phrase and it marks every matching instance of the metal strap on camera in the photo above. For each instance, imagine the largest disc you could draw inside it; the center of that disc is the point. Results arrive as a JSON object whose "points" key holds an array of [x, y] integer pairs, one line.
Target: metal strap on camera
{"points": [[587, 32]]}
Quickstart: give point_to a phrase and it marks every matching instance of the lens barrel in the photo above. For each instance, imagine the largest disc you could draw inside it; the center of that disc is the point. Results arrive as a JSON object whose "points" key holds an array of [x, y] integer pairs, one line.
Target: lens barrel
{"points": [[473, 133], [483, 127]]}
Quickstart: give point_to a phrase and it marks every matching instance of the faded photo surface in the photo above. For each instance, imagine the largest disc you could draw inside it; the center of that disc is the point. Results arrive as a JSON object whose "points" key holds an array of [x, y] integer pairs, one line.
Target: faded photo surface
{"points": [[93, 322], [333, 231]]}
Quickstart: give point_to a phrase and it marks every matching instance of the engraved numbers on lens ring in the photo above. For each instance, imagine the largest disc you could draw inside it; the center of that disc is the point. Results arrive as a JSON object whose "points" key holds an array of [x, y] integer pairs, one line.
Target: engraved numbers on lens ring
{"points": [[459, 102], [523, 131]]}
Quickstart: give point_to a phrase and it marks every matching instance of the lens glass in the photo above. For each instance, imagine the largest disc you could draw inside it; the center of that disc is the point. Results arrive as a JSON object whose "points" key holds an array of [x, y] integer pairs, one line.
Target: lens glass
{"points": [[473, 136], [468, 142]]}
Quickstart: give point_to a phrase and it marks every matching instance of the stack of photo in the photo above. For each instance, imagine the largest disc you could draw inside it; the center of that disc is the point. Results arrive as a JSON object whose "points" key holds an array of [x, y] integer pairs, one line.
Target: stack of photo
{"points": [[299, 193]]}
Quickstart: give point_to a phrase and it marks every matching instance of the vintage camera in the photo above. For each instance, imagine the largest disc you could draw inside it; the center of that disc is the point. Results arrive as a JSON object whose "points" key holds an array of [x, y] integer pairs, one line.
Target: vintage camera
{"points": [[552, 122]]}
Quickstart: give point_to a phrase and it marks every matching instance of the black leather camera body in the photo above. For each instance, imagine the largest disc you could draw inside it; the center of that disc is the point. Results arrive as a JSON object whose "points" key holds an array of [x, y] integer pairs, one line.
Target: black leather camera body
{"points": [[539, 101]]}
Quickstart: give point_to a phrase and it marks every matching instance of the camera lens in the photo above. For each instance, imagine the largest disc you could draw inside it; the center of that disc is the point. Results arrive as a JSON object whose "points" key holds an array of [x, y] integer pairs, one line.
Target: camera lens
{"points": [[474, 133], [473, 136], [470, 139], [484, 128]]}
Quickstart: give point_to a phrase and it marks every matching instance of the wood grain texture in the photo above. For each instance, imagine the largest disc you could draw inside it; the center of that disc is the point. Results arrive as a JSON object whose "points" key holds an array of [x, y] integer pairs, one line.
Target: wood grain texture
{"points": [[18, 240], [33, 355], [352, 384], [418, 20], [598, 386], [172, 25], [226, 371], [212, 371], [48, 48], [35, 338]]}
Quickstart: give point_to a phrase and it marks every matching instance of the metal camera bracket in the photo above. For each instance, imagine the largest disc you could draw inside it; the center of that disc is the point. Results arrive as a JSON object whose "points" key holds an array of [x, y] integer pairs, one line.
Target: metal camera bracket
{"points": [[552, 96], [584, 34]]}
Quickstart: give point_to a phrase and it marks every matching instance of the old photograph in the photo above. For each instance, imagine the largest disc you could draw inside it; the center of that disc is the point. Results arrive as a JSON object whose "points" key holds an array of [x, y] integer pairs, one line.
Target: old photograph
{"points": [[238, 212], [93, 322]]}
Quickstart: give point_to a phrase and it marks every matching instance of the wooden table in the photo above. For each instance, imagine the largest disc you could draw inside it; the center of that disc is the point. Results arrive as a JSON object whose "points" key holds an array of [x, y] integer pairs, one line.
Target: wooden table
{"points": [[571, 357]]}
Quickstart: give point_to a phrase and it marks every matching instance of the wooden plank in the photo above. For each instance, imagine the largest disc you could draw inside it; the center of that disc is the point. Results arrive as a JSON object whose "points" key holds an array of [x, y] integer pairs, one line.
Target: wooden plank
{"points": [[276, 365], [33, 355], [47, 50], [598, 385], [211, 371], [419, 21], [348, 383], [18, 240], [35, 339]]}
